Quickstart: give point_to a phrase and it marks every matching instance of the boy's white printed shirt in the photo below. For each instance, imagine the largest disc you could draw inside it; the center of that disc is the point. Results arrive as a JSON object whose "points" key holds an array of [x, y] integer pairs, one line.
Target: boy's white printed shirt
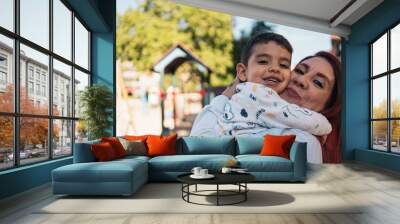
{"points": [[206, 122], [255, 107]]}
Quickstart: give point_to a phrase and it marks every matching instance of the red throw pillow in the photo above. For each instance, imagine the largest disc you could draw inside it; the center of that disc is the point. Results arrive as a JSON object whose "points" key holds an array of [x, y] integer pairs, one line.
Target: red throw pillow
{"points": [[277, 145], [103, 151], [161, 145], [116, 145]]}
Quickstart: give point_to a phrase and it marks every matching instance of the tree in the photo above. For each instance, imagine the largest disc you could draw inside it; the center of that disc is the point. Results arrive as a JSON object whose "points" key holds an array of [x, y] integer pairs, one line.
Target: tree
{"points": [[380, 127], [146, 33], [257, 27], [33, 130]]}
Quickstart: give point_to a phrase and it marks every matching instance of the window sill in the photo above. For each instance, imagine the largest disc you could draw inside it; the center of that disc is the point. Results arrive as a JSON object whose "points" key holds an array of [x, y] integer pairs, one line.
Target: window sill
{"points": [[26, 167]]}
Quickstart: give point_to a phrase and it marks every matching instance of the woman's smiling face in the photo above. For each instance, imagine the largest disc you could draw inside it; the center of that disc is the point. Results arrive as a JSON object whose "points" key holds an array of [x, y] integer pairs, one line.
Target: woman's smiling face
{"points": [[311, 84]]}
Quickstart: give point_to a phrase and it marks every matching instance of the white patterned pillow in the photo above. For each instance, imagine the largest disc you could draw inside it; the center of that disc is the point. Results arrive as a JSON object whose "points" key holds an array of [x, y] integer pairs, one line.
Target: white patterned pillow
{"points": [[137, 147]]}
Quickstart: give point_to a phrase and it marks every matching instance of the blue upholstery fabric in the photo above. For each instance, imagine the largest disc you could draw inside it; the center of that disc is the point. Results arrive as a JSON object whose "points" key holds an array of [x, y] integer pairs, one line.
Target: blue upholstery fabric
{"points": [[298, 154], [83, 152], [184, 163], [249, 145], [119, 177], [257, 163], [130, 158], [195, 145], [126, 175]]}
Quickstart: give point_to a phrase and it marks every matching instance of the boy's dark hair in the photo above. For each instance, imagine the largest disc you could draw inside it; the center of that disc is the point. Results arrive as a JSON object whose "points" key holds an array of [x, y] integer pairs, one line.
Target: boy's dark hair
{"points": [[264, 38]]}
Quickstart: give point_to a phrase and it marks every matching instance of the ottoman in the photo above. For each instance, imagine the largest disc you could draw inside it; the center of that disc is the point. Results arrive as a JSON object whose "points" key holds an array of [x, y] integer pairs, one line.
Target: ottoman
{"points": [[119, 177]]}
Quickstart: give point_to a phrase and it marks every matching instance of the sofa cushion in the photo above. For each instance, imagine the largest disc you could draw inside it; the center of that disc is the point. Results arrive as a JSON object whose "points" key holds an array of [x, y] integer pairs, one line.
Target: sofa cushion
{"points": [[134, 147], [103, 152], [197, 145], [116, 145], [112, 171], [257, 163], [185, 163], [277, 145], [131, 158], [161, 145], [249, 145], [83, 152]]}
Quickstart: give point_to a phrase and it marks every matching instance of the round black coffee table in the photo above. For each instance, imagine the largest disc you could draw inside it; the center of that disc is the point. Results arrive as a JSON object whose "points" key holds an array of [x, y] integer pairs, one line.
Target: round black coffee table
{"points": [[238, 179]]}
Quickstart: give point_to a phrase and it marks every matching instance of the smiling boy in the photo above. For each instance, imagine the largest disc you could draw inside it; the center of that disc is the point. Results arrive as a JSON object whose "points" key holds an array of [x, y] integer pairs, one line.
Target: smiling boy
{"points": [[264, 73]]}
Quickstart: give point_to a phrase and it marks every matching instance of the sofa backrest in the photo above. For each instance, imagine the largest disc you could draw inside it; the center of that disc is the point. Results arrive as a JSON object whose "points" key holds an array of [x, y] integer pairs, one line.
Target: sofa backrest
{"points": [[253, 145], [193, 145], [83, 152], [248, 145]]}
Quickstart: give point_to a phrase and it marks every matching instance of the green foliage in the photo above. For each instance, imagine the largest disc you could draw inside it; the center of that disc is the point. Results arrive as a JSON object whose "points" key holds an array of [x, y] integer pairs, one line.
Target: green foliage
{"points": [[380, 127], [97, 104], [146, 33]]}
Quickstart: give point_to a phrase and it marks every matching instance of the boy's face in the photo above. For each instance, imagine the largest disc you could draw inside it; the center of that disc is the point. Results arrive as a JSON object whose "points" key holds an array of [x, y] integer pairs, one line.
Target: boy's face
{"points": [[269, 64]]}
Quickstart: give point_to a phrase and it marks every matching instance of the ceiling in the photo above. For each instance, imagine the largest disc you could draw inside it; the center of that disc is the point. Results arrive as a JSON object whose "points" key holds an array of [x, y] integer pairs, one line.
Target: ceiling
{"points": [[326, 16]]}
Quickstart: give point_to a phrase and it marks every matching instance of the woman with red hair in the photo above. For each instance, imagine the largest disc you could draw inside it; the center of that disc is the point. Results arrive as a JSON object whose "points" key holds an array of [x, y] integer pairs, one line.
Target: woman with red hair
{"points": [[315, 84]]}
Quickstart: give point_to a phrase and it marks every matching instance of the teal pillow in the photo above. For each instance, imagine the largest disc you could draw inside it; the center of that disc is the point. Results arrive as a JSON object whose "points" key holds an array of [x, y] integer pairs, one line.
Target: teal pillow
{"points": [[194, 145], [83, 152], [249, 145]]}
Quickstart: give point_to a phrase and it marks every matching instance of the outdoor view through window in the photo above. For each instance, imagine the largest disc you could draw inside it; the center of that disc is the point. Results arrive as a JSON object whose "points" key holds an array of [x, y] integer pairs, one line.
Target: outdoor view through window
{"points": [[40, 83], [385, 82]]}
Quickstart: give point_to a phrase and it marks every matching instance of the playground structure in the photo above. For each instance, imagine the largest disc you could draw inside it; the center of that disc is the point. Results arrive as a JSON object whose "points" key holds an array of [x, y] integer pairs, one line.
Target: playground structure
{"points": [[178, 108], [148, 104]]}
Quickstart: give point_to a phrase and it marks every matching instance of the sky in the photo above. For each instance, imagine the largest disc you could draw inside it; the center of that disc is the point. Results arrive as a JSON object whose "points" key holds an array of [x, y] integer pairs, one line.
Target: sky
{"points": [[35, 27]]}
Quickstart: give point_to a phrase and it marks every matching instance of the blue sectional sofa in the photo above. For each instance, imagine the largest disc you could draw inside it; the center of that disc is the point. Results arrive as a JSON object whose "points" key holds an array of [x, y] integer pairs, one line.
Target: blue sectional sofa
{"points": [[125, 176]]}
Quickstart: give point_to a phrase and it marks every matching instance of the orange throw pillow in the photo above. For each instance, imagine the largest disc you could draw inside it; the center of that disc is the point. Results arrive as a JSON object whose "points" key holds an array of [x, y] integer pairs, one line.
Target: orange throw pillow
{"points": [[277, 145], [161, 145], [103, 152], [116, 145], [136, 137]]}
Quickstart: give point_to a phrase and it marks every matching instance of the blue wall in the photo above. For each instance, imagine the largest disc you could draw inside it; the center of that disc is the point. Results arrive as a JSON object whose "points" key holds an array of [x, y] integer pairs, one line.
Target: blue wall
{"points": [[100, 16], [24, 178], [356, 70], [103, 52]]}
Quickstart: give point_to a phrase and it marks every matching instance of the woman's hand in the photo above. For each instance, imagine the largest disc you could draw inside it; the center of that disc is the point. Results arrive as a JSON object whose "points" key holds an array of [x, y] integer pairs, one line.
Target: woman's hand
{"points": [[230, 90]]}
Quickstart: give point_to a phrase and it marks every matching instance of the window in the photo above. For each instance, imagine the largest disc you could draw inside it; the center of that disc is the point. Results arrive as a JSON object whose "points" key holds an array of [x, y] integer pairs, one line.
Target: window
{"points": [[3, 79], [44, 77], [44, 91], [3, 71], [30, 87], [34, 21], [6, 73], [62, 140], [81, 81], [7, 14], [7, 142], [62, 29], [3, 61], [30, 73], [38, 89], [37, 74], [385, 94], [81, 45], [54, 125], [62, 74]]}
